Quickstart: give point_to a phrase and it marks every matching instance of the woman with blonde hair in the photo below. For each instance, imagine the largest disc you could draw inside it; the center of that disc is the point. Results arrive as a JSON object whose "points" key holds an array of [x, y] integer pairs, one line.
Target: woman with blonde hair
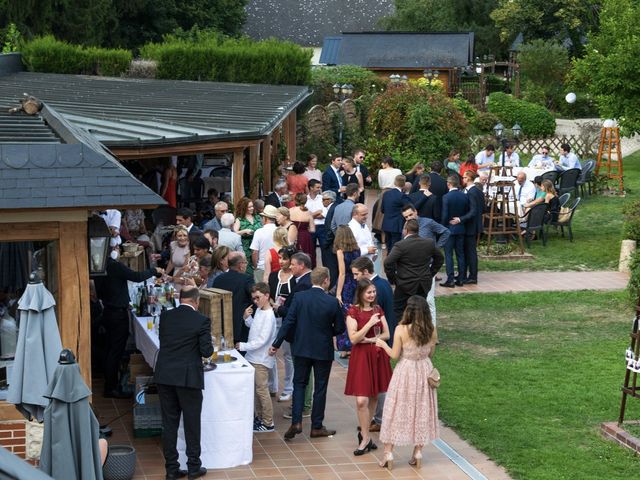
{"points": [[346, 249], [415, 172], [179, 250], [283, 218], [410, 415], [271, 260], [246, 224], [303, 220]]}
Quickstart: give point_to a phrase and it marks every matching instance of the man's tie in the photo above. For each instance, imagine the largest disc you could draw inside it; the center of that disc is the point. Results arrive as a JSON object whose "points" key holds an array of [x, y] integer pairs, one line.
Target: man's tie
{"points": [[520, 192]]}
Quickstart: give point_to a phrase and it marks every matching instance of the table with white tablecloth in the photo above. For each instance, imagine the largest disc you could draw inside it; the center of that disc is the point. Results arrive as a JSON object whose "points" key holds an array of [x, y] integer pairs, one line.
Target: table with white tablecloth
{"points": [[227, 406]]}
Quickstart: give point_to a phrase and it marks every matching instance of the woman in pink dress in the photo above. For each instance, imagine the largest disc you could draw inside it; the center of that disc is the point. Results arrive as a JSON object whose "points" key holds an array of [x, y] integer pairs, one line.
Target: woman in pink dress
{"points": [[410, 415], [303, 220], [297, 183], [369, 368], [169, 183]]}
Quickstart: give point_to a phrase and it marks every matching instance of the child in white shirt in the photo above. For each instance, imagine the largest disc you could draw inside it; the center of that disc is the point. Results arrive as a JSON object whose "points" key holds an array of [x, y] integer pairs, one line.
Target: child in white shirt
{"points": [[262, 333]]}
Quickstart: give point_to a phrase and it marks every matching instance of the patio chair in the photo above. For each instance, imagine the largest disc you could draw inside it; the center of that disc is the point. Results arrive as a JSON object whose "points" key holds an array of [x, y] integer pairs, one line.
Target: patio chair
{"points": [[586, 176], [565, 219], [552, 175], [568, 180], [535, 223], [564, 198]]}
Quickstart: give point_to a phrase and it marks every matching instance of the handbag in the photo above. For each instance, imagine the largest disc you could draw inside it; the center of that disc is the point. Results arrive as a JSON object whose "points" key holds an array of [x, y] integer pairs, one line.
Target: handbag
{"points": [[564, 215], [434, 378]]}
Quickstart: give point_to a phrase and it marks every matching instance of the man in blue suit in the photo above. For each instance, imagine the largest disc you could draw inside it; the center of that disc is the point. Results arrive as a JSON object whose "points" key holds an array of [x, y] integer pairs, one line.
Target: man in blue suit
{"points": [[331, 178], [455, 205], [313, 320], [473, 226], [392, 203]]}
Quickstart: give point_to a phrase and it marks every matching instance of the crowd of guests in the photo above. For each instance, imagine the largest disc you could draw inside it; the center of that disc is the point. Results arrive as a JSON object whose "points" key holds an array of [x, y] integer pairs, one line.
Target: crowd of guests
{"points": [[265, 252]]}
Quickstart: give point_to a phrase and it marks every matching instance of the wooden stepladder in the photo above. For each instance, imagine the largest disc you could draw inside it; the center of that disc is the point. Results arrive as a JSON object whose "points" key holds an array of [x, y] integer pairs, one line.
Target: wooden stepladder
{"points": [[610, 156], [630, 387]]}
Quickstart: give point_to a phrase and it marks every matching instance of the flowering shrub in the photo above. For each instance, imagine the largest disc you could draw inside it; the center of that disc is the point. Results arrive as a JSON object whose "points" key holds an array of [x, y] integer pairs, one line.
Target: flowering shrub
{"points": [[413, 124]]}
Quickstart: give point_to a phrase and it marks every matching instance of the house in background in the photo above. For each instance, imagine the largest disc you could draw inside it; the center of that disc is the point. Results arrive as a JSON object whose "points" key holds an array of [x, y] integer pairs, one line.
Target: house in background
{"points": [[308, 22], [445, 54]]}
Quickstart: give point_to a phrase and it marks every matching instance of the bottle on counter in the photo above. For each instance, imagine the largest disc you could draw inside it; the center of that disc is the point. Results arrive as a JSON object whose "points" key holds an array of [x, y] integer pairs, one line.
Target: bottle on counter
{"points": [[144, 302], [223, 343]]}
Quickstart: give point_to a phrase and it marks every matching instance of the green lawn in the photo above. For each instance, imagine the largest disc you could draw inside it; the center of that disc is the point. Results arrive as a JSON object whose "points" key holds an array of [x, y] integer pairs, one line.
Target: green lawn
{"points": [[597, 234], [528, 378]]}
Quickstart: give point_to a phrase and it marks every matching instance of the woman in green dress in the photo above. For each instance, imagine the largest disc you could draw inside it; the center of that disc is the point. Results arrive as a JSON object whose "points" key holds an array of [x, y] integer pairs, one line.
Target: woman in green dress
{"points": [[245, 225]]}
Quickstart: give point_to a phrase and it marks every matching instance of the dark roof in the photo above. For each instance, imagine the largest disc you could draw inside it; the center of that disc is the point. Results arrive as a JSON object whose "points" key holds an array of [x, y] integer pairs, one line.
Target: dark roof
{"points": [[399, 49], [307, 22], [134, 112], [61, 166]]}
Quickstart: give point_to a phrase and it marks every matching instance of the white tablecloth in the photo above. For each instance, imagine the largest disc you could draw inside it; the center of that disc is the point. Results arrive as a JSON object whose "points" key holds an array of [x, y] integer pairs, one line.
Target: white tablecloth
{"points": [[227, 407], [532, 173]]}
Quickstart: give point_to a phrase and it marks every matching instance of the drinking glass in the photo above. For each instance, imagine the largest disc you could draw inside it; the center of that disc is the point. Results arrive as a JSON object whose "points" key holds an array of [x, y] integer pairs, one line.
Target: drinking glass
{"points": [[376, 330]]}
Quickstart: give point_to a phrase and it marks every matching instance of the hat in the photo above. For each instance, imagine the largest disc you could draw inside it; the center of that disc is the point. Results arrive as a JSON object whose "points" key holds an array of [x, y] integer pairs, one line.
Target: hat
{"points": [[269, 211]]}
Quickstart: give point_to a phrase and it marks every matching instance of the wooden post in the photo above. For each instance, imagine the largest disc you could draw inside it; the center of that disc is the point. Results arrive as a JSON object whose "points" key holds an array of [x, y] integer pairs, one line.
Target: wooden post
{"points": [[275, 150], [254, 187], [266, 164], [290, 136], [74, 318], [237, 175]]}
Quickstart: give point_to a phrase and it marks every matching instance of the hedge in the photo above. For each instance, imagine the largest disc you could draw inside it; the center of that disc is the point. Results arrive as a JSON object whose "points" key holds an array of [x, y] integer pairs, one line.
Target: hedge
{"points": [[48, 55], [243, 61], [535, 120]]}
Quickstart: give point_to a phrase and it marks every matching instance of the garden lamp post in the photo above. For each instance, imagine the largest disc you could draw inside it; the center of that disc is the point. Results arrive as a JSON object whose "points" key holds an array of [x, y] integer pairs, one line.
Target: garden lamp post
{"points": [[430, 75], [342, 92], [500, 132], [98, 235]]}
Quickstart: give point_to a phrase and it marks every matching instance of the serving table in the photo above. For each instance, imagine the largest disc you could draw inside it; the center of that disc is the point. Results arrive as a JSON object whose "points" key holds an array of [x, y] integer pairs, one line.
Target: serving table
{"points": [[227, 406]]}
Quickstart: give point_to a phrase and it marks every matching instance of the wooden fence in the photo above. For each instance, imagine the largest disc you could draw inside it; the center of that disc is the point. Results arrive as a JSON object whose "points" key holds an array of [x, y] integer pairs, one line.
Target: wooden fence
{"points": [[585, 145]]}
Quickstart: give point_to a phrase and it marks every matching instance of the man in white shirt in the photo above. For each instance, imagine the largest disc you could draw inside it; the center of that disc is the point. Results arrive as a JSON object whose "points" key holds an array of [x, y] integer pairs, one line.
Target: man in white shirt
{"points": [[568, 159], [509, 158], [524, 189], [485, 159], [361, 231], [542, 161], [228, 237], [263, 241], [315, 206]]}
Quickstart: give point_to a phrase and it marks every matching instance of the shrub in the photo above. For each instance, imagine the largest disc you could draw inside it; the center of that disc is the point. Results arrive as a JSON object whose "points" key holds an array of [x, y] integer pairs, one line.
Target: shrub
{"points": [[544, 65], [412, 124], [232, 60], [46, 54], [631, 223], [535, 120], [364, 82]]}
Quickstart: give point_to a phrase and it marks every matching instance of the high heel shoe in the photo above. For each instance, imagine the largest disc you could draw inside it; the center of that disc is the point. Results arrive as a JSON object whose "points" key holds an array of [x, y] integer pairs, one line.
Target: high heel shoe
{"points": [[368, 447], [373, 445], [387, 461], [416, 460]]}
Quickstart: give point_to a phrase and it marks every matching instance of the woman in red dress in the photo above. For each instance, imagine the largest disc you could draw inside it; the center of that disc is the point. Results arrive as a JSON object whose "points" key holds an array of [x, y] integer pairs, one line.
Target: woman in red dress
{"points": [[369, 368], [169, 182], [297, 183]]}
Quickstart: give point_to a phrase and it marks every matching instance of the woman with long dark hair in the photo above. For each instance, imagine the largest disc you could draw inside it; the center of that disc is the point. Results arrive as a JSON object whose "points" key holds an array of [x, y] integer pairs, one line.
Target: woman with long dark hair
{"points": [[410, 415], [369, 368]]}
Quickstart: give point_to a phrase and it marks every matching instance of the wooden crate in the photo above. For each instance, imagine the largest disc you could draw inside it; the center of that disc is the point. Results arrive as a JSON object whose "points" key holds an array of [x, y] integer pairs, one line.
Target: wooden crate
{"points": [[138, 367], [216, 304], [136, 261]]}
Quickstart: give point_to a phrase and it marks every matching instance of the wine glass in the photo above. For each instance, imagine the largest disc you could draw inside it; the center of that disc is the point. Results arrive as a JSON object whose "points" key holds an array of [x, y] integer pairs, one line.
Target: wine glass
{"points": [[377, 330]]}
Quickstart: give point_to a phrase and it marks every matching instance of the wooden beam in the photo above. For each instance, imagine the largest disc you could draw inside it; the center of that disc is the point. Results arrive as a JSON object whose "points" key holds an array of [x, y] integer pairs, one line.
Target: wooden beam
{"points": [[292, 143], [266, 164], [254, 188], [237, 175], [132, 153], [74, 318], [19, 232], [275, 150]]}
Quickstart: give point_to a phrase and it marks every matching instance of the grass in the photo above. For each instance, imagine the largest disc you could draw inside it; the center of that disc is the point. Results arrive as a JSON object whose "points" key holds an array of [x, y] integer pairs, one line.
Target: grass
{"points": [[597, 229], [529, 377]]}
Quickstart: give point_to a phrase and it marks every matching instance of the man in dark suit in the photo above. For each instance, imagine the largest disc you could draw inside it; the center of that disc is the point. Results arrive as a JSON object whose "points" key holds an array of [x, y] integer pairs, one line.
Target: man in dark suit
{"points": [[358, 156], [313, 320], [473, 226], [438, 187], [455, 207], [275, 197], [329, 258], [411, 265], [301, 270], [331, 179], [392, 202], [184, 216], [423, 199], [185, 337], [239, 284]]}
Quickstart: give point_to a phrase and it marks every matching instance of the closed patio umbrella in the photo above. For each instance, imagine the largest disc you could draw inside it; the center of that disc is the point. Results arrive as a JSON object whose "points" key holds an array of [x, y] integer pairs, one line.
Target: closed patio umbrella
{"points": [[12, 467], [37, 351], [70, 448]]}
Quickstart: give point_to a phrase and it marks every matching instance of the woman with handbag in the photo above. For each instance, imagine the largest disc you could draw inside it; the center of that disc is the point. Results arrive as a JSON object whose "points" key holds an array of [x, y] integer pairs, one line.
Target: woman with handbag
{"points": [[410, 415]]}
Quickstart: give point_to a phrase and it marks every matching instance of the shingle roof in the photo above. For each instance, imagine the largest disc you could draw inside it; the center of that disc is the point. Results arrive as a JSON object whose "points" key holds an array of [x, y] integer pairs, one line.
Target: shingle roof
{"points": [[307, 22], [134, 112], [66, 169], [399, 49]]}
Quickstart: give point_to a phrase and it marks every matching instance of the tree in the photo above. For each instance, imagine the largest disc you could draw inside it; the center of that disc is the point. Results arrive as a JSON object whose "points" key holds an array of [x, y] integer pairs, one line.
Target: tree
{"points": [[547, 19], [449, 15], [227, 16], [142, 21], [544, 65], [609, 69]]}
